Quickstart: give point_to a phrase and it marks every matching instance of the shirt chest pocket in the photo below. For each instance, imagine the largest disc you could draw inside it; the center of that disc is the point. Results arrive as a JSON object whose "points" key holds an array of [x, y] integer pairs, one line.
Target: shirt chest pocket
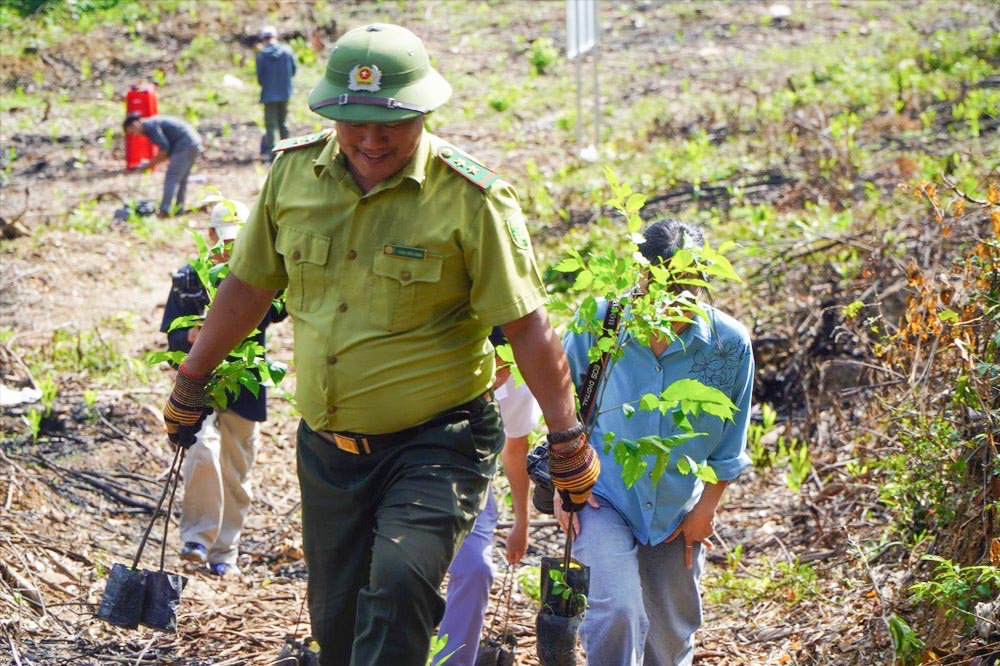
{"points": [[403, 290], [305, 261]]}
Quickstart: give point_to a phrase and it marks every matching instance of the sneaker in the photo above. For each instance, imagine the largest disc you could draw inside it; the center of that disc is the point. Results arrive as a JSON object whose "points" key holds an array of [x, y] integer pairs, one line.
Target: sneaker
{"points": [[221, 568], [193, 552]]}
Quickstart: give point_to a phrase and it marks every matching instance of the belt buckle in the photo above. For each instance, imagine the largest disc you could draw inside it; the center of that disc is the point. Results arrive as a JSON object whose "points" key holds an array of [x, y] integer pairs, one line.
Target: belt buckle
{"points": [[350, 444]]}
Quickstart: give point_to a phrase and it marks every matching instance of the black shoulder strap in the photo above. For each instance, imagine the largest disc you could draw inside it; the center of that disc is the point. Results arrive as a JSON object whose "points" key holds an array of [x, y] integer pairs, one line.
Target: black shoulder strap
{"points": [[592, 378]]}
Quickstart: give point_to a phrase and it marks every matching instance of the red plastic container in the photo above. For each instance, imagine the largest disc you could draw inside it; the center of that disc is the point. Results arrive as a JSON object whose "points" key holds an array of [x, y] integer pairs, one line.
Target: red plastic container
{"points": [[139, 148]]}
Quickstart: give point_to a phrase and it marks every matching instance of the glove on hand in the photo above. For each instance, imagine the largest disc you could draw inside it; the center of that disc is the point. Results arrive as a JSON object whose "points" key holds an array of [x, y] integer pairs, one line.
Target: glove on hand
{"points": [[185, 408], [574, 473]]}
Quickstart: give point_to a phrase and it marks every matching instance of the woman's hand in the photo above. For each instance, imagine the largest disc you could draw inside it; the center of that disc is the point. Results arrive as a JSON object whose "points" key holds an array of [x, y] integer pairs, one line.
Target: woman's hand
{"points": [[517, 541], [697, 526]]}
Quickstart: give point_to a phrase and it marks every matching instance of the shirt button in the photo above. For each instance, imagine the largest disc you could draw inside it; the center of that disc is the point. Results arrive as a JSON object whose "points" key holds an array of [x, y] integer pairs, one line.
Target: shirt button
{"points": [[404, 276], [343, 307], [296, 255], [649, 505], [331, 359], [659, 369], [352, 255], [363, 201], [331, 410]]}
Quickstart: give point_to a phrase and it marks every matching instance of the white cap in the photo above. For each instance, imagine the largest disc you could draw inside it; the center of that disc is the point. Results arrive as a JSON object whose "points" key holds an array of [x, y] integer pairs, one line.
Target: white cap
{"points": [[227, 217], [267, 32]]}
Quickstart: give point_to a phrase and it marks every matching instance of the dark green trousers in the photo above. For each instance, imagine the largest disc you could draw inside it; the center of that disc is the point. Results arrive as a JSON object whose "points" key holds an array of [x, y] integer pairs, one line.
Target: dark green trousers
{"points": [[380, 530], [275, 124]]}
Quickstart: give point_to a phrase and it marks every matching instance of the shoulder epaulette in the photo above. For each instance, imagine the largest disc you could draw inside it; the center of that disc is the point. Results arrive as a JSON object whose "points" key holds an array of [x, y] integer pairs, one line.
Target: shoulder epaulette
{"points": [[467, 166], [296, 142]]}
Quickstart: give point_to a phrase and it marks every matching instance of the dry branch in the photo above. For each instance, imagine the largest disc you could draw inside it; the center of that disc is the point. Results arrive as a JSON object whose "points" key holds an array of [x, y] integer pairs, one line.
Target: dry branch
{"points": [[20, 585]]}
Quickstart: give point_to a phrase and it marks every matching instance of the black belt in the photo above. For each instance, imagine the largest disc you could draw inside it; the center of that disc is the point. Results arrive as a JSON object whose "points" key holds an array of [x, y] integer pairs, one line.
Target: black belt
{"points": [[361, 444]]}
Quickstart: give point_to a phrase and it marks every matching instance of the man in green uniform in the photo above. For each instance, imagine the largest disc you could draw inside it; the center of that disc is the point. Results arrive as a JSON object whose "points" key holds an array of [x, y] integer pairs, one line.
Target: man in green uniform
{"points": [[398, 253]]}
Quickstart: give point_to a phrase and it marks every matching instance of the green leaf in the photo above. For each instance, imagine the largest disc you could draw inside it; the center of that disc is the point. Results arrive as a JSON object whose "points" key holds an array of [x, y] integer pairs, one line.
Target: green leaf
{"points": [[568, 265], [218, 397], [659, 467], [693, 283], [681, 421], [697, 310], [684, 465], [723, 412], [634, 224], [634, 203], [506, 353], [593, 354], [250, 383], [851, 310], [694, 397], [659, 274], [718, 265], [611, 177], [187, 321], [588, 310], [681, 260], [707, 474], [649, 402], [154, 358], [652, 445], [948, 315], [605, 344], [633, 468], [583, 280]]}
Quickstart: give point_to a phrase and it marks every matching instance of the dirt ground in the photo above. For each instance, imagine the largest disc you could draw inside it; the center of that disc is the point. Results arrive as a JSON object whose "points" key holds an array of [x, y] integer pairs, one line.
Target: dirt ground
{"points": [[77, 500]]}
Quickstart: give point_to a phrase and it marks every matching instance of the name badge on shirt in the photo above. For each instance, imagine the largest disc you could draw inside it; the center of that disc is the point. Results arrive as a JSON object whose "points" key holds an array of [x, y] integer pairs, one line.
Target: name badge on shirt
{"points": [[405, 252]]}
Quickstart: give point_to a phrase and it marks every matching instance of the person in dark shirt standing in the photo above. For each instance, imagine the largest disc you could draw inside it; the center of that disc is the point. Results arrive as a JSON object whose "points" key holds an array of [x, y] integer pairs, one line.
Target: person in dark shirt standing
{"points": [[276, 65], [216, 471], [179, 143]]}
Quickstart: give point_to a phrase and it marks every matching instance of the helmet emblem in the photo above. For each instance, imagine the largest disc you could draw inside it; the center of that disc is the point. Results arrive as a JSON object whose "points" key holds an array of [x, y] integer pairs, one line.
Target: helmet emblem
{"points": [[364, 77]]}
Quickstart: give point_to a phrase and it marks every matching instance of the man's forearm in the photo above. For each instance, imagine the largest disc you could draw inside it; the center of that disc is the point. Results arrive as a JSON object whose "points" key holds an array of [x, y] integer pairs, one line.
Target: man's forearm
{"points": [[542, 362], [159, 158], [237, 310]]}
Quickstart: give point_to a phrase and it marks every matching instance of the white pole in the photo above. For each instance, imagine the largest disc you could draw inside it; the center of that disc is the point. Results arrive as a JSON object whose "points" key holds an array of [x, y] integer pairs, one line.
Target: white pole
{"points": [[579, 103], [597, 89]]}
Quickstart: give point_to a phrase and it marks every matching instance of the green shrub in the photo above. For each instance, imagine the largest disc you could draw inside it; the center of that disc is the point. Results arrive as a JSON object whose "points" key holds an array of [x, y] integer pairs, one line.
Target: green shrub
{"points": [[956, 589]]}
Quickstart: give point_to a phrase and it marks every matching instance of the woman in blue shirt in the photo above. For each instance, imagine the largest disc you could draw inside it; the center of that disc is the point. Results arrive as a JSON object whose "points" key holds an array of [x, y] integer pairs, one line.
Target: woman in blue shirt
{"points": [[645, 545]]}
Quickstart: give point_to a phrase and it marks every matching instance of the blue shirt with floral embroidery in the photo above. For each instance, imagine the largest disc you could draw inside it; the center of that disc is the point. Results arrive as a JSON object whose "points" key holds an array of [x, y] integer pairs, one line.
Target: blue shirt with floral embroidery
{"points": [[715, 352]]}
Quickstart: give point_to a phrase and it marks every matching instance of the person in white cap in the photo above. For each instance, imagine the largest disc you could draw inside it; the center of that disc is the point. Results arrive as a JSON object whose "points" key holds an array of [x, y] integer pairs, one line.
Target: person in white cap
{"points": [[276, 65], [216, 470]]}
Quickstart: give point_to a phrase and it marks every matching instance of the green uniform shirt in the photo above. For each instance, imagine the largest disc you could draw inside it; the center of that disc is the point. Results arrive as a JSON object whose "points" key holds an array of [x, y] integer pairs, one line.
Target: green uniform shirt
{"points": [[394, 292]]}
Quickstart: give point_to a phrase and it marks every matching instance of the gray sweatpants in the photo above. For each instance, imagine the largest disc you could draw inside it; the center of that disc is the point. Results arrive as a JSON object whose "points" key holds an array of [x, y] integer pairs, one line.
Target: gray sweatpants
{"points": [[175, 180]]}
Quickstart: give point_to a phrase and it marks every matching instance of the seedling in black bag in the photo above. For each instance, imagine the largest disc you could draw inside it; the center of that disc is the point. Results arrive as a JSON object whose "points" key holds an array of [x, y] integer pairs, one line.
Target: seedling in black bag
{"points": [[133, 596], [565, 584]]}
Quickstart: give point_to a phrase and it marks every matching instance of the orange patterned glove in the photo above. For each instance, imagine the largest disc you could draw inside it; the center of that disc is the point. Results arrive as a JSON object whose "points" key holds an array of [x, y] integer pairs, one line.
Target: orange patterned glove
{"points": [[574, 472], [185, 410]]}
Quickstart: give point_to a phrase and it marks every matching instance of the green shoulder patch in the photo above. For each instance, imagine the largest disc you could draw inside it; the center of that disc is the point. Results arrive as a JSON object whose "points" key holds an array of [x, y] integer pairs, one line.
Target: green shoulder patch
{"points": [[296, 142], [518, 231], [467, 167]]}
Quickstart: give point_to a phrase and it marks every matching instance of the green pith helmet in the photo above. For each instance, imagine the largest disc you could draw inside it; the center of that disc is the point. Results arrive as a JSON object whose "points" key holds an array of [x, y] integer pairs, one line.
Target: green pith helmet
{"points": [[378, 73]]}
